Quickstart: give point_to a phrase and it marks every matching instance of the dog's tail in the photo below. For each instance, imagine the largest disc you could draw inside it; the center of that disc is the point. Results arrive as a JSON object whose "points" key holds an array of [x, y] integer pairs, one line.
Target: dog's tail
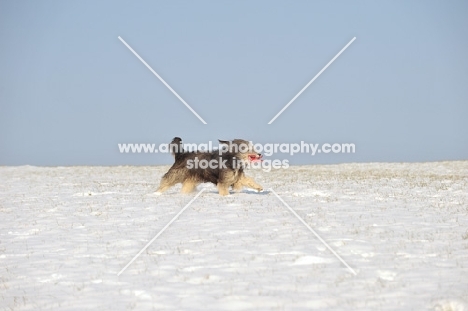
{"points": [[176, 147]]}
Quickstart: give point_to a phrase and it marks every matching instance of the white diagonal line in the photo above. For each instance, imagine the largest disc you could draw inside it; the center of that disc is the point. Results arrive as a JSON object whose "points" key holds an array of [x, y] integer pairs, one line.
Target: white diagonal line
{"points": [[313, 231], [162, 80], [160, 232], [313, 79]]}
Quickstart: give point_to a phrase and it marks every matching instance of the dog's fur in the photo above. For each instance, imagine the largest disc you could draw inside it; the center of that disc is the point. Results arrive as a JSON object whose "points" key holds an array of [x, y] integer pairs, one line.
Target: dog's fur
{"points": [[223, 177]]}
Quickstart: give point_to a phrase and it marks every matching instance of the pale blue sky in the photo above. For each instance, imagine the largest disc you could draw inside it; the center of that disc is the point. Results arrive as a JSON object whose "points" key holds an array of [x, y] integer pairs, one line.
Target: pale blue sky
{"points": [[70, 91]]}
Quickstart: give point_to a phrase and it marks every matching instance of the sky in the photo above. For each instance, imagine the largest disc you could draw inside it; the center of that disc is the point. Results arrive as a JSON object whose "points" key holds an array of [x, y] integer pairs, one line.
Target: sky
{"points": [[70, 91]]}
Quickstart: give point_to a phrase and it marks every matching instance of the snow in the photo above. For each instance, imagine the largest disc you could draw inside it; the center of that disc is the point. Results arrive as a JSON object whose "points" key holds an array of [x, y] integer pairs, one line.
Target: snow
{"points": [[65, 233]]}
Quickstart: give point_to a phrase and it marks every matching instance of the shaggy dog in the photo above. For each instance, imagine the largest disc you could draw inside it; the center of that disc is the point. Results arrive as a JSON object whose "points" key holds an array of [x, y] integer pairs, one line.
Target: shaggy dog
{"points": [[223, 167]]}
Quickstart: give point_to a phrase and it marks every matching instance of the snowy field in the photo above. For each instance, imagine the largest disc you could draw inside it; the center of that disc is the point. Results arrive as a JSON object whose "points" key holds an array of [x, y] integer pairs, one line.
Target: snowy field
{"points": [[65, 233]]}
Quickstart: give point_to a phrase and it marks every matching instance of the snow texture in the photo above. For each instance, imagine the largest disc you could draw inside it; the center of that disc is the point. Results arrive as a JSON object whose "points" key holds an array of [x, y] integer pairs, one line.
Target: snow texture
{"points": [[65, 233]]}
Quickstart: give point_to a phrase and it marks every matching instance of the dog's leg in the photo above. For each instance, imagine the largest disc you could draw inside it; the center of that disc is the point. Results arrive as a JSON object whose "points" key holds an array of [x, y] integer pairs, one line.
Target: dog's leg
{"points": [[249, 182], [237, 186], [223, 188], [164, 186], [167, 182], [226, 179], [188, 186]]}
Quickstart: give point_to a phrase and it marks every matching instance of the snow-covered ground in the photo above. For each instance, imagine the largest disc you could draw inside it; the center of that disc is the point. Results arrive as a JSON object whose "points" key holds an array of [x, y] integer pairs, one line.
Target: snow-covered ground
{"points": [[65, 233]]}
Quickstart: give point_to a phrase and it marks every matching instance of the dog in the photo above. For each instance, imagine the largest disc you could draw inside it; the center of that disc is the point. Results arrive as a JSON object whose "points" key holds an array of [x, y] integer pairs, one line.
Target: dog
{"points": [[224, 167]]}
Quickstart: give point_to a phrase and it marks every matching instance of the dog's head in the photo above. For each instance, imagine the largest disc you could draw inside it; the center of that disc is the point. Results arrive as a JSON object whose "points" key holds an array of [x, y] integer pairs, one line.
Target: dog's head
{"points": [[242, 149]]}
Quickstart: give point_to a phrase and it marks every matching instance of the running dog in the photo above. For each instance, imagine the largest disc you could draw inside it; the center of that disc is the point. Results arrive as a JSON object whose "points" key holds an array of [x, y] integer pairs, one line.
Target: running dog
{"points": [[224, 167]]}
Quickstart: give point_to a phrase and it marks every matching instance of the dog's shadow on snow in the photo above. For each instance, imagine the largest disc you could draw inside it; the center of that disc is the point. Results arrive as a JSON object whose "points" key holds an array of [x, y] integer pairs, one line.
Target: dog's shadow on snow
{"points": [[264, 192]]}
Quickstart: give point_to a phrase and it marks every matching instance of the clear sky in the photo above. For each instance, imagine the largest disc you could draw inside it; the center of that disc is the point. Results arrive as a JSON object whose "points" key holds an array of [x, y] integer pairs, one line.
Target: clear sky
{"points": [[70, 91]]}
